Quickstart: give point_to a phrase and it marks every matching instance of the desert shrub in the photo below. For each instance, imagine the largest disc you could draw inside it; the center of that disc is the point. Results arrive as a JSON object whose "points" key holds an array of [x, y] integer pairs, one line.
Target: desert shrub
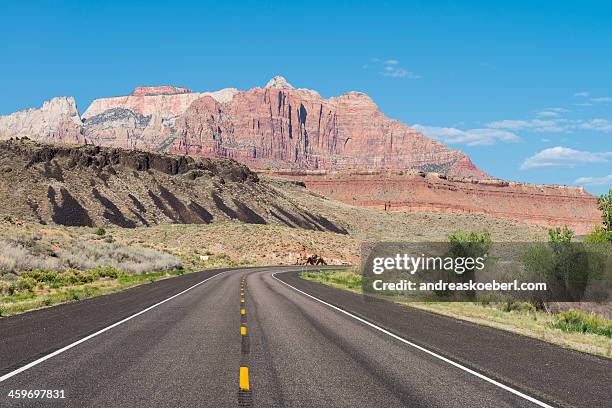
{"points": [[134, 260], [560, 235], [74, 277], [20, 254], [518, 307], [27, 283], [73, 294], [597, 236], [42, 275], [24, 254], [100, 232], [348, 278], [581, 322], [106, 272], [7, 288]]}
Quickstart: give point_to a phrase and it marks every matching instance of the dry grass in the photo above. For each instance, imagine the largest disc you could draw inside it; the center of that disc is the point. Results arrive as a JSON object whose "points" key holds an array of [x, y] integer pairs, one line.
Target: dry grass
{"points": [[20, 253]]}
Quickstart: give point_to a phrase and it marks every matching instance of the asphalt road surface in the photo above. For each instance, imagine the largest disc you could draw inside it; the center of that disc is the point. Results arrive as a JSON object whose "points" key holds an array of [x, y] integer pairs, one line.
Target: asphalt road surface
{"points": [[262, 337]]}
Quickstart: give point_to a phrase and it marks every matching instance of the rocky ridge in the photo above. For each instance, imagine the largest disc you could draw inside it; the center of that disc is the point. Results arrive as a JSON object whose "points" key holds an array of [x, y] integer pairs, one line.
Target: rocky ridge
{"points": [[94, 186]]}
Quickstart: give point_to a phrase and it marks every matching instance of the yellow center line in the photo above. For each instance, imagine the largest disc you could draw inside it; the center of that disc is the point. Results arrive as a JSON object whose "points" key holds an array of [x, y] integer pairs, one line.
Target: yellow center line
{"points": [[243, 312], [244, 378], [241, 300], [243, 331]]}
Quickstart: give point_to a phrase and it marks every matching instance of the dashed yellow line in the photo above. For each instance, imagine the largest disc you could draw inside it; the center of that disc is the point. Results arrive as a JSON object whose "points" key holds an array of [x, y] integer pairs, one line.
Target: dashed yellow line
{"points": [[244, 379], [243, 312], [243, 330]]}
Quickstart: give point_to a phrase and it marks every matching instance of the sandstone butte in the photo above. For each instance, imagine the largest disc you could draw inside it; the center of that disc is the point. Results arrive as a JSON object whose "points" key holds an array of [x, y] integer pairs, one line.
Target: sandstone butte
{"points": [[343, 147]]}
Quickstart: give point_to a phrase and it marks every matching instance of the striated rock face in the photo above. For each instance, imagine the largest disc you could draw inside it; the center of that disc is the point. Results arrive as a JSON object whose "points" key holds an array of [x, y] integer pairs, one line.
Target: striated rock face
{"points": [[277, 126], [545, 205], [281, 127]]}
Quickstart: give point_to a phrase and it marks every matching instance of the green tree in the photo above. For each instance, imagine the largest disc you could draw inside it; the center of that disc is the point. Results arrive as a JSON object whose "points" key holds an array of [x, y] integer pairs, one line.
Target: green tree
{"points": [[603, 234], [605, 206], [466, 245]]}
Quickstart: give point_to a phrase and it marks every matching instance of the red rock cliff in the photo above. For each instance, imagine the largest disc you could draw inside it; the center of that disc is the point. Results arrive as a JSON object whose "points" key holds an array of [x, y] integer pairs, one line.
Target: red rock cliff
{"points": [[272, 127], [279, 127], [545, 205]]}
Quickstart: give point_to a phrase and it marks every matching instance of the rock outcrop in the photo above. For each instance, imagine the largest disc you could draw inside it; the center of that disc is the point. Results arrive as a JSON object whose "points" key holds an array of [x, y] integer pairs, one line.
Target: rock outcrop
{"points": [[545, 205], [92, 185], [277, 126]]}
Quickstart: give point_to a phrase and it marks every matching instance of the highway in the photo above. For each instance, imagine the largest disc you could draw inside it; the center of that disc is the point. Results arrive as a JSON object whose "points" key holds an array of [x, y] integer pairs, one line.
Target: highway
{"points": [[262, 337]]}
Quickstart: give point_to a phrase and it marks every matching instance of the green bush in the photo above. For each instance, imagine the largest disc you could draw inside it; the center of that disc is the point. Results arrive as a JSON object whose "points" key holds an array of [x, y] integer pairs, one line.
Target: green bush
{"points": [[74, 277], [581, 322], [598, 236], [7, 288], [42, 275], [100, 232], [27, 283], [518, 307], [106, 272], [560, 235], [73, 294]]}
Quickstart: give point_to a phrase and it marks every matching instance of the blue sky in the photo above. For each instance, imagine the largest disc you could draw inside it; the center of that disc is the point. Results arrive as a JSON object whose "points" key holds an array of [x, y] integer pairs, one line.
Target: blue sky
{"points": [[523, 87]]}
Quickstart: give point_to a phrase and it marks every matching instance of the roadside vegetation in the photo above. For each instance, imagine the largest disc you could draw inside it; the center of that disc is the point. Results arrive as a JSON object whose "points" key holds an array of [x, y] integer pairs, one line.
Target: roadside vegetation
{"points": [[574, 329], [38, 270], [556, 323], [41, 288]]}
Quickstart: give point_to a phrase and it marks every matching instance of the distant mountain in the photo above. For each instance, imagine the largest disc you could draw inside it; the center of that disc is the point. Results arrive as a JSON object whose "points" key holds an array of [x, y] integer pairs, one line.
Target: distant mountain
{"points": [[274, 127]]}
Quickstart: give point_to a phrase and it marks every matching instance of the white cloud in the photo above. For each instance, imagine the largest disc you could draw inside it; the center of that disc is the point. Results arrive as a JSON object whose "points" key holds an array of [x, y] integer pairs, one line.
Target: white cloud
{"points": [[600, 125], [595, 180], [538, 125], [391, 68], [552, 112], [553, 124], [471, 137], [583, 94], [394, 72], [547, 113], [563, 157], [602, 99]]}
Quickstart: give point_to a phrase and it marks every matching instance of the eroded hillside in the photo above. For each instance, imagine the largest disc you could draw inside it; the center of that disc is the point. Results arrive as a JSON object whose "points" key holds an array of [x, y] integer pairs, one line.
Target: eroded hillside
{"points": [[91, 186]]}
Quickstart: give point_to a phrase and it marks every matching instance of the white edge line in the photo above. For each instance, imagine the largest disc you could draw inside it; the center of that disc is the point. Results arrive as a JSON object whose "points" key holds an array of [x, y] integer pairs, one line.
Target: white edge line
{"points": [[438, 356], [84, 339]]}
